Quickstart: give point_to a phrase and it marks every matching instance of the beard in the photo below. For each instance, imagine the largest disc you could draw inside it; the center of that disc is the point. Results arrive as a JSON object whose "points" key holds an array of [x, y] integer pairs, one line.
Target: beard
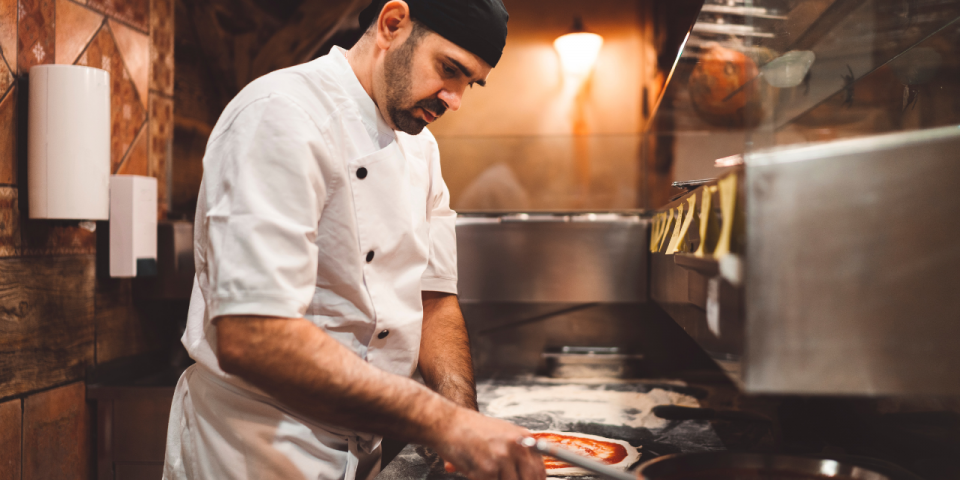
{"points": [[397, 68]]}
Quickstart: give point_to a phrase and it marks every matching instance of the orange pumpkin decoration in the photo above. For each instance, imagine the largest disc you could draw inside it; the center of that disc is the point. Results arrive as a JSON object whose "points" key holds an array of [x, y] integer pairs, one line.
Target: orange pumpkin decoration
{"points": [[720, 72]]}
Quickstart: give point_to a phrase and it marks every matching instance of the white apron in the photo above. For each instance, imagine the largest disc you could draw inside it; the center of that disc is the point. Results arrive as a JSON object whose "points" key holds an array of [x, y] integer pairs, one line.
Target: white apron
{"points": [[219, 431]]}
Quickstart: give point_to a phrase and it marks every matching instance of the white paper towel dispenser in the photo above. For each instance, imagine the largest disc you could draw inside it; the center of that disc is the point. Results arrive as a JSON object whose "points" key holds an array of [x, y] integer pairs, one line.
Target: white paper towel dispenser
{"points": [[68, 143], [133, 226]]}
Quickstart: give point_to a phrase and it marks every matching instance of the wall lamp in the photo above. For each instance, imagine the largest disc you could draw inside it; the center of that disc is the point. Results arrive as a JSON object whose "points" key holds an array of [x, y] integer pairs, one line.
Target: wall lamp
{"points": [[578, 49]]}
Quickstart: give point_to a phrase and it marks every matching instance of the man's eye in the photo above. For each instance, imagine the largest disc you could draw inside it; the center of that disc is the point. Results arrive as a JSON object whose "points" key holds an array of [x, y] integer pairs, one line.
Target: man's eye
{"points": [[448, 70]]}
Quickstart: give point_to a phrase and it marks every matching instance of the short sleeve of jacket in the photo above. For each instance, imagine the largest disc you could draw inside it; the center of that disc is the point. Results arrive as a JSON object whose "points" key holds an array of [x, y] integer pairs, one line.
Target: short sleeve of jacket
{"points": [[441, 272], [263, 208]]}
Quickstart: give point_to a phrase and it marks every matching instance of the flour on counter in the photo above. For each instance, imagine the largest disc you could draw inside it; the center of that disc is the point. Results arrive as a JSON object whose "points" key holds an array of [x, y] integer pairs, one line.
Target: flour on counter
{"points": [[580, 403]]}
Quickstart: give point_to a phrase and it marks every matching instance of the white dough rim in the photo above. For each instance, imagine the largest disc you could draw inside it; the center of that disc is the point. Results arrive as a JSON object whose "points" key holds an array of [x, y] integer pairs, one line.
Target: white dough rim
{"points": [[633, 454]]}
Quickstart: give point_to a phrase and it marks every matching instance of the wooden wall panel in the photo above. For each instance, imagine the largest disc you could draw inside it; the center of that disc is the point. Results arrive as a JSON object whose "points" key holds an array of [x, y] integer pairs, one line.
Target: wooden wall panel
{"points": [[8, 134], [126, 327], [10, 448], [114, 313], [57, 434], [53, 237], [46, 321], [9, 222]]}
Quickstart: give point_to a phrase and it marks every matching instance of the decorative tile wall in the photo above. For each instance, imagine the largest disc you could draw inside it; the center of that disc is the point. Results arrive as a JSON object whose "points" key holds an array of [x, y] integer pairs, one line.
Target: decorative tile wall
{"points": [[8, 36], [36, 34], [134, 48], [51, 263], [161, 46], [6, 78], [76, 26], [132, 12], [160, 100], [128, 114], [161, 145], [135, 162]]}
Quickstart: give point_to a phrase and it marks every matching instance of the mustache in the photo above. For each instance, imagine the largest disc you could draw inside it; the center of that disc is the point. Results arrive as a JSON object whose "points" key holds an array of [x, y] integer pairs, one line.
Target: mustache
{"points": [[434, 105]]}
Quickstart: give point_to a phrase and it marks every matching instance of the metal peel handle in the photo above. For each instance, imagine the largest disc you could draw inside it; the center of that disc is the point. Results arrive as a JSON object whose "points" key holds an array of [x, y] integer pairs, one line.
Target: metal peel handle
{"points": [[594, 466]]}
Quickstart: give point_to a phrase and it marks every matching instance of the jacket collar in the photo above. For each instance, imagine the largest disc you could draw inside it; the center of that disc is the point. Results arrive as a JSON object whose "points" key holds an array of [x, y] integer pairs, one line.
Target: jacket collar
{"points": [[376, 126]]}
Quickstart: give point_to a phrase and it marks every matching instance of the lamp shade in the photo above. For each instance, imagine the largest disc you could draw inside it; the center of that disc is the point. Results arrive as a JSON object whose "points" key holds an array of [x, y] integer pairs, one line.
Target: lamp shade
{"points": [[578, 51], [68, 143]]}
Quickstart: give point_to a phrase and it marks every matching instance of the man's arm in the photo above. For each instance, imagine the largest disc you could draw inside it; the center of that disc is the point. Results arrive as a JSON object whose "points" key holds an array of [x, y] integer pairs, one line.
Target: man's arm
{"points": [[445, 361], [306, 369]]}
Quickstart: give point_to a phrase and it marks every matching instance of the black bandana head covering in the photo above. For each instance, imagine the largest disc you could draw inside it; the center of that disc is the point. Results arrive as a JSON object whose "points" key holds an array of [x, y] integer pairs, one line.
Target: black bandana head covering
{"points": [[479, 26]]}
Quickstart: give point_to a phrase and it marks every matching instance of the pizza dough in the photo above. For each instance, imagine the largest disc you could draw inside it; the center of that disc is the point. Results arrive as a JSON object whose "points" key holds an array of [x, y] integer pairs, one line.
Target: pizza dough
{"points": [[569, 404], [615, 453]]}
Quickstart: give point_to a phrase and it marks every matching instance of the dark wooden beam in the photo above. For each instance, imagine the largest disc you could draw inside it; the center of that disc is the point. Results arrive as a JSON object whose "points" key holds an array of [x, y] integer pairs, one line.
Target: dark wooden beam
{"points": [[298, 40], [46, 321], [241, 41]]}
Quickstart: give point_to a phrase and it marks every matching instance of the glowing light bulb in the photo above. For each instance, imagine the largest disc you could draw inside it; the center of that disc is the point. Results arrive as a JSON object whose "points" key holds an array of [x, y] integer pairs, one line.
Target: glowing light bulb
{"points": [[578, 51]]}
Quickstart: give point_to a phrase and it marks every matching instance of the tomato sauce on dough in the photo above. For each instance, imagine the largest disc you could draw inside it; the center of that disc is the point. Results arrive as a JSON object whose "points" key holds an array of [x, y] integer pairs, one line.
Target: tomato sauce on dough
{"points": [[607, 452]]}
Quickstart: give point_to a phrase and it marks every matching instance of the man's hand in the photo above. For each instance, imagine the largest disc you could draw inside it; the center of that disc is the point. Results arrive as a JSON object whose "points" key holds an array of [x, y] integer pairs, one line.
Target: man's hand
{"points": [[484, 448]]}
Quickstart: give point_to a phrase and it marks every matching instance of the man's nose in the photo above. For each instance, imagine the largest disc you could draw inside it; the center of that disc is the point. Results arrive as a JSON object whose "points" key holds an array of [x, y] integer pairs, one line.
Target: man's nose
{"points": [[450, 99]]}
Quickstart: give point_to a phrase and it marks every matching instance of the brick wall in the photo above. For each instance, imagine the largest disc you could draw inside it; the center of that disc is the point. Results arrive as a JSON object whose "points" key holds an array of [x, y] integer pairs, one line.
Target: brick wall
{"points": [[58, 318]]}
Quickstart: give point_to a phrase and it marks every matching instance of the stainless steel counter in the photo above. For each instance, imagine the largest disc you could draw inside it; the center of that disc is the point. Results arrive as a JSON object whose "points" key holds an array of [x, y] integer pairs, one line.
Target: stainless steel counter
{"points": [[852, 261]]}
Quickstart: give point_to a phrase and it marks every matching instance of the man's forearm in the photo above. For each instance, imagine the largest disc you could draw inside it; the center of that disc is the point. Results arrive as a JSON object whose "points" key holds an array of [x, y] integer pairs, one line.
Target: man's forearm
{"points": [[306, 369], [310, 372], [445, 361]]}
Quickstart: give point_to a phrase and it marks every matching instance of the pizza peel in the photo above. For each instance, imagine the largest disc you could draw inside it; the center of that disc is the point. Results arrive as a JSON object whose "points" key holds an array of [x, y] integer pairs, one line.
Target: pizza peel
{"points": [[547, 448]]}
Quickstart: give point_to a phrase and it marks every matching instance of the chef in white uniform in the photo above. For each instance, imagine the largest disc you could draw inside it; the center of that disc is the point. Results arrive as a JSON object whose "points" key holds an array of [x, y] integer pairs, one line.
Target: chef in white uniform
{"points": [[327, 270]]}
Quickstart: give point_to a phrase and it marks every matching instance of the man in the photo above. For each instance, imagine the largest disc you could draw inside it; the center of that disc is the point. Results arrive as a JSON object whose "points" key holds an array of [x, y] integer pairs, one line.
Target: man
{"points": [[326, 265]]}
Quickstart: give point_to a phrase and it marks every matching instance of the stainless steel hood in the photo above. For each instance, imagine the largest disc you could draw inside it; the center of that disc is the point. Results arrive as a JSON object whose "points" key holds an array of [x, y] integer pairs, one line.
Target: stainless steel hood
{"points": [[552, 258]]}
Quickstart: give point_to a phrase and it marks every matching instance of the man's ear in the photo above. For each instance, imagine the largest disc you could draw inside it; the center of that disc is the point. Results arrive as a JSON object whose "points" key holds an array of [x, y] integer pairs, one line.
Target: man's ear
{"points": [[394, 20]]}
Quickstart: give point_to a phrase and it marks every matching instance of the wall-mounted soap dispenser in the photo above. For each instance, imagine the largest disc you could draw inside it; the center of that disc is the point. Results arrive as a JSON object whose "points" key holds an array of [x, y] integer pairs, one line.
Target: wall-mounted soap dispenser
{"points": [[133, 226], [68, 143]]}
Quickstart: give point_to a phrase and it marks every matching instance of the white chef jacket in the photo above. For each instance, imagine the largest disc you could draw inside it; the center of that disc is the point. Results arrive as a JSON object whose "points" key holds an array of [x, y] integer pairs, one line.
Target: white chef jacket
{"points": [[310, 206]]}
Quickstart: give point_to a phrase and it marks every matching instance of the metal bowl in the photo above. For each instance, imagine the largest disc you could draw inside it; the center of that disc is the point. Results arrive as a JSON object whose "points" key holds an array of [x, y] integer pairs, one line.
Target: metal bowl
{"points": [[751, 466]]}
